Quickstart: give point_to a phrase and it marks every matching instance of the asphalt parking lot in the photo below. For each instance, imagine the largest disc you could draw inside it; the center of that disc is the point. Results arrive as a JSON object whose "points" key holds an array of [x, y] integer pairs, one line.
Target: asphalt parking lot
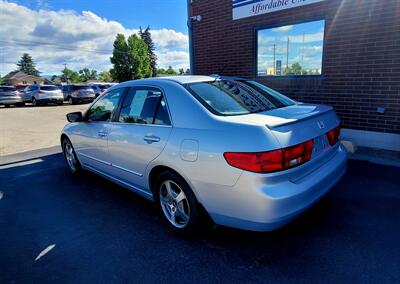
{"points": [[27, 128], [102, 233]]}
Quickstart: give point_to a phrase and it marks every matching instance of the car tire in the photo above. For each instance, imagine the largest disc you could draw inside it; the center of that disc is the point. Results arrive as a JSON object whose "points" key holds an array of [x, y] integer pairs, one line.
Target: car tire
{"points": [[34, 102], [177, 203], [70, 157], [6, 106], [70, 101], [20, 104], [60, 103]]}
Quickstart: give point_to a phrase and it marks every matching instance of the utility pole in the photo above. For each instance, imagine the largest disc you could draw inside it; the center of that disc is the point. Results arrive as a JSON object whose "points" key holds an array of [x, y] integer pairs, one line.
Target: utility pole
{"points": [[287, 56], [274, 61]]}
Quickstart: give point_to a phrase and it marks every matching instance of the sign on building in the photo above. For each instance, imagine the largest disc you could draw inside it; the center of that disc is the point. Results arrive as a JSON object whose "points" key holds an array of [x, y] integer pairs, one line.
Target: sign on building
{"points": [[247, 8]]}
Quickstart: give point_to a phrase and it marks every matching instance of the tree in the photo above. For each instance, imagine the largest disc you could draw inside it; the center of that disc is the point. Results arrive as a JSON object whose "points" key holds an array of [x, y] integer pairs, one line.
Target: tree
{"points": [[130, 59], [187, 72], [87, 74], [171, 71], [1, 80], [105, 76], [70, 76], [181, 71], [146, 37], [26, 65]]}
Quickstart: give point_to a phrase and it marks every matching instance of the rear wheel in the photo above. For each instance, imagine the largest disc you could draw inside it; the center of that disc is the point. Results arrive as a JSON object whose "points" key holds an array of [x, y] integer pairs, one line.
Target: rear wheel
{"points": [[20, 104], [177, 203], [34, 102], [70, 157], [70, 101], [7, 106]]}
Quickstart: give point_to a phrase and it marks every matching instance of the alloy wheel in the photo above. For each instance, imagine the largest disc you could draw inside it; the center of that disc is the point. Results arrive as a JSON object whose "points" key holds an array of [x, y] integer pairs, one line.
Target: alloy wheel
{"points": [[70, 156], [174, 204]]}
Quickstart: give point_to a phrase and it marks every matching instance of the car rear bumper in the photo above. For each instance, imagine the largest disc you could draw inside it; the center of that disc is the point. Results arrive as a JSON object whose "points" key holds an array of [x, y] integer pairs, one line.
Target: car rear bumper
{"points": [[264, 202], [83, 100], [10, 100], [50, 100]]}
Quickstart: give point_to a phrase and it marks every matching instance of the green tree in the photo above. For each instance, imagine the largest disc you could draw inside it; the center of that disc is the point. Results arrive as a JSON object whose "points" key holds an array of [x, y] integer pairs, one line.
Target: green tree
{"points": [[86, 74], [121, 60], [130, 59], [1, 80], [146, 37], [187, 72], [26, 65], [105, 76], [140, 57], [181, 71], [171, 71], [70, 76]]}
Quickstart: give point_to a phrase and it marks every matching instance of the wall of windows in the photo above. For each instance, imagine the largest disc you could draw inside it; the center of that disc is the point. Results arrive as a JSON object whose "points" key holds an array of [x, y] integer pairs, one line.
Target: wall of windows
{"points": [[292, 50]]}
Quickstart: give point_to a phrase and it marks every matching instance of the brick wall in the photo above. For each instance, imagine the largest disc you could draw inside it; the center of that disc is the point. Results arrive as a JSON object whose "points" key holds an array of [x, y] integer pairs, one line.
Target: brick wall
{"points": [[361, 60]]}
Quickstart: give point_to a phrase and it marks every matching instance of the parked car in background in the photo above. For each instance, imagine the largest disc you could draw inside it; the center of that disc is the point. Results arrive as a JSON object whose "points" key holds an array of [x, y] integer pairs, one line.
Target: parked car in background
{"points": [[78, 94], [250, 156], [43, 94], [98, 88], [10, 96]]}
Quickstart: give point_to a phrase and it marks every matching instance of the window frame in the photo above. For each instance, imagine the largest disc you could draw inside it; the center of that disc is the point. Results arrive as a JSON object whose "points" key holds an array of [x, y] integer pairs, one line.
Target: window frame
{"points": [[257, 28], [117, 109], [117, 114]]}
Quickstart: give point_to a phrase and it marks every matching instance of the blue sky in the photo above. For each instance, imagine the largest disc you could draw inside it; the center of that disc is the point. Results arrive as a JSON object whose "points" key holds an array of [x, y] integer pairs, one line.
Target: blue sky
{"points": [[80, 33], [170, 14]]}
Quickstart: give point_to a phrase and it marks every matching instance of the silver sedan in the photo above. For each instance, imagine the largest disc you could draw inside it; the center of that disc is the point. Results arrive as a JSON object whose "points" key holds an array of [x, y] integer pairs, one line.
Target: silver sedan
{"points": [[230, 148]]}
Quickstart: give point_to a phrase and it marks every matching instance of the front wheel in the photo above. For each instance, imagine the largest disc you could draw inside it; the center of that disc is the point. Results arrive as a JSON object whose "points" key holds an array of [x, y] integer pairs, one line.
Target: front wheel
{"points": [[177, 203], [70, 157], [34, 102], [70, 101]]}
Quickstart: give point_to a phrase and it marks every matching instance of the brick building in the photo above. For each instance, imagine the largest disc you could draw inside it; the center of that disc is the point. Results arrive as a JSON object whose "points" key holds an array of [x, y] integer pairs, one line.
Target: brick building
{"points": [[345, 53]]}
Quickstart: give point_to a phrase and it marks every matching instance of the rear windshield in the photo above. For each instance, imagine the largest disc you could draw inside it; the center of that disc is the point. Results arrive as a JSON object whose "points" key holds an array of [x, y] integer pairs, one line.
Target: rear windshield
{"points": [[7, 89], [49, 88], [229, 97], [20, 88], [81, 88]]}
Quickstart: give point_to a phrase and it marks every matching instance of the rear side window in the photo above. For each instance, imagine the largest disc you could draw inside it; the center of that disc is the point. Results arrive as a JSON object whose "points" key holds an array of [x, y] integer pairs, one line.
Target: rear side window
{"points": [[229, 97], [144, 106], [49, 88]]}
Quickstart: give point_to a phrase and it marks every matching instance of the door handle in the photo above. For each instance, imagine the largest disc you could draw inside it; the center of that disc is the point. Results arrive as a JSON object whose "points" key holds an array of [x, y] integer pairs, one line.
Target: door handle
{"points": [[151, 139], [102, 133]]}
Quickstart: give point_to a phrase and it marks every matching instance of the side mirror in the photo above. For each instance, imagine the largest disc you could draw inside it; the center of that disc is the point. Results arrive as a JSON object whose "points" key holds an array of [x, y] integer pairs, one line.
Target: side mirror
{"points": [[74, 116]]}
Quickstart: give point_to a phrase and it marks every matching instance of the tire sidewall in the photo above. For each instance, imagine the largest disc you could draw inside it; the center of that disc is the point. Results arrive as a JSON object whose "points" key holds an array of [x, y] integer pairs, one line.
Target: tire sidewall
{"points": [[192, 201]]}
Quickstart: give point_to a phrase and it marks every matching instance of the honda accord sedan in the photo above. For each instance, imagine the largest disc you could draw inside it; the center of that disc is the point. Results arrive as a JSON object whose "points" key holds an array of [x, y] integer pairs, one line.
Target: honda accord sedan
{"points": [[236, 150]]}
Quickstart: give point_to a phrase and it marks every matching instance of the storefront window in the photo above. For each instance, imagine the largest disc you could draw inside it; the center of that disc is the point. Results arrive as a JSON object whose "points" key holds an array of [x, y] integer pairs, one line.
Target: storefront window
{"points": [[293, 50]]}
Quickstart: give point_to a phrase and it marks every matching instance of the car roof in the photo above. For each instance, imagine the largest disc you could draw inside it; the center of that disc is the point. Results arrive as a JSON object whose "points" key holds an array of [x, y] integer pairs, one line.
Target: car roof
{"points": [[186, 79]]}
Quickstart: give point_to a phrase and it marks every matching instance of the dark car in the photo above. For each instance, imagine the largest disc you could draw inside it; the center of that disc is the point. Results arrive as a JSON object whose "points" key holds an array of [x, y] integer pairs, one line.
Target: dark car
{"points": [[10, 96], [99, 88], [78, 94]]}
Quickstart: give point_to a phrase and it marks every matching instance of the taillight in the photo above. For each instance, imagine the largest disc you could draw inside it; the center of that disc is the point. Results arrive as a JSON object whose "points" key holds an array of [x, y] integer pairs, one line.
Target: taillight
{"points": [[271, 161], [333, 135]]}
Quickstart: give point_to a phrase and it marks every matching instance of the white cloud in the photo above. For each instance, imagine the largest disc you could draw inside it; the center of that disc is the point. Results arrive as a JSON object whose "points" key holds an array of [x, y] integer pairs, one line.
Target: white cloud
{"points": [[282, 29], [77, 39]]}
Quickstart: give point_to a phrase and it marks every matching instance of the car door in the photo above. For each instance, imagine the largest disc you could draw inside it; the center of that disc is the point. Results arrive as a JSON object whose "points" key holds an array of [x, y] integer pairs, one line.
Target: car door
{"points": [[90, 138], [27, 95], [139, 135]]}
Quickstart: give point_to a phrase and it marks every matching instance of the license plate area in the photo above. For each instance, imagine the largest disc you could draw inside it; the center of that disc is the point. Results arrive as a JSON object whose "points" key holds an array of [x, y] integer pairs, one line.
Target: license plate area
{"points": [[321, 144]]}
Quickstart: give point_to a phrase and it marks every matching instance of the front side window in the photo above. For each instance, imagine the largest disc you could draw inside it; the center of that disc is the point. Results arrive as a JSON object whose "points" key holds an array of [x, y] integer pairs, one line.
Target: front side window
{"points": [[104, 108], [144, 106], [228, 97], [293, 50]]}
